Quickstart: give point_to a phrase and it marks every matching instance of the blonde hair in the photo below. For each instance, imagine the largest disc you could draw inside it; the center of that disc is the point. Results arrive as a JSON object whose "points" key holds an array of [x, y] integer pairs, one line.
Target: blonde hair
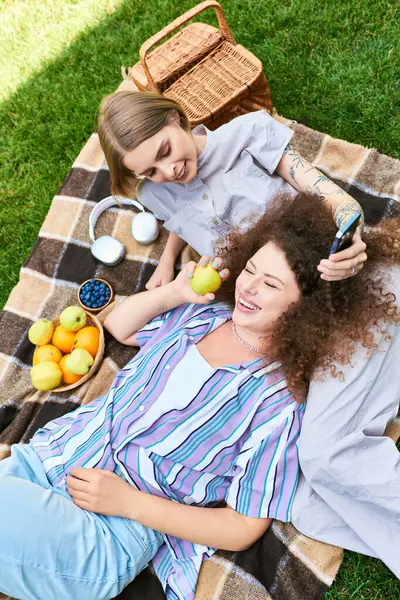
{"points": [[126, 120]]}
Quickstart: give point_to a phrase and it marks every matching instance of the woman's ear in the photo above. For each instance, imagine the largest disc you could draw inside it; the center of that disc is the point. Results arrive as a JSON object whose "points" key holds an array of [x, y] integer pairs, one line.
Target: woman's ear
{"points": [[173, 117]]}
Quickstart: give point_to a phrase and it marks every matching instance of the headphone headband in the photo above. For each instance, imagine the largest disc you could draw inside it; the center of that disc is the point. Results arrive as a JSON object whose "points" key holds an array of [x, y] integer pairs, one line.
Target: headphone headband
{"points": [[106, 203]]}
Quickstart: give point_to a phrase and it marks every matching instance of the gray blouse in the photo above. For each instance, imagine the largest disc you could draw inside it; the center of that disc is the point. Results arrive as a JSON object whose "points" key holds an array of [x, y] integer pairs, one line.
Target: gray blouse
{"points": [[236, 178]]}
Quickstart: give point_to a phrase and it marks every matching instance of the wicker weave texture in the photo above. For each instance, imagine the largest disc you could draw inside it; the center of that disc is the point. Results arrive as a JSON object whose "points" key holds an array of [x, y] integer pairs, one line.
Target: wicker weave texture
{"points": [[222, 77], [176, 56]]}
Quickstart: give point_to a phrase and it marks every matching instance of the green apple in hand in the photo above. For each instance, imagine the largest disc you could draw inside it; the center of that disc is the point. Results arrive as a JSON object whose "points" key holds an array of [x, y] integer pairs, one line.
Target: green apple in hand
{"points": [[205, 280], [73, 318], [79, 361]]}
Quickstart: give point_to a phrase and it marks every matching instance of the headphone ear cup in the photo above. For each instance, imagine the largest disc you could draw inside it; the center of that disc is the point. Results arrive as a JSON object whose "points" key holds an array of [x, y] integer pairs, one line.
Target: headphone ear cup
{"points": [[145, 228], [108, 250]]}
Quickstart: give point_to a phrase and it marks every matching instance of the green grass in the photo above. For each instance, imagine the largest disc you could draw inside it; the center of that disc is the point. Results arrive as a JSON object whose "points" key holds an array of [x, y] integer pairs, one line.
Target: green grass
{"points": [[332, 65]]}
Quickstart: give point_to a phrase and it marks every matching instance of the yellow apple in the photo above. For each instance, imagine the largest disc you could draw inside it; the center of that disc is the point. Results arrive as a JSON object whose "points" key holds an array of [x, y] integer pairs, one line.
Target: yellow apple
{"points": [[46, 376], [79, 361], [205, 280], [73, 318], [41, 332]]}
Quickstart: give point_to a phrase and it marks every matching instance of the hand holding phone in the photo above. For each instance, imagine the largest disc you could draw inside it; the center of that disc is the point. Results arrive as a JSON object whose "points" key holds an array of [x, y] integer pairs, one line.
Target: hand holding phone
{"points": [[344, 236]]}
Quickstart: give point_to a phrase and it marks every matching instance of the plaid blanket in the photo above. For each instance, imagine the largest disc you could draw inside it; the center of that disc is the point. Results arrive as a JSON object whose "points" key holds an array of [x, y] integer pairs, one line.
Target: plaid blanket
{"points": [[283, 565]]}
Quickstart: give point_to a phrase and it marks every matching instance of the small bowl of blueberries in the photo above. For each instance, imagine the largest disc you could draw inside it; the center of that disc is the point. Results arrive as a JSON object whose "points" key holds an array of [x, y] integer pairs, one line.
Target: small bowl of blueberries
{"points": [[95, 294]]}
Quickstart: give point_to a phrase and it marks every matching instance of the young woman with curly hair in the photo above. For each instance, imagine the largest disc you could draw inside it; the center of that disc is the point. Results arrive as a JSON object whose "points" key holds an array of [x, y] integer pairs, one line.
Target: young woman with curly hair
{"points": [[324, 327], [208, 411]]}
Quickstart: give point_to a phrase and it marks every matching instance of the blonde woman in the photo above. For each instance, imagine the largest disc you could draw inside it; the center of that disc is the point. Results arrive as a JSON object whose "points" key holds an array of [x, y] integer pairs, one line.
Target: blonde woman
{"points": [[203, 183]]}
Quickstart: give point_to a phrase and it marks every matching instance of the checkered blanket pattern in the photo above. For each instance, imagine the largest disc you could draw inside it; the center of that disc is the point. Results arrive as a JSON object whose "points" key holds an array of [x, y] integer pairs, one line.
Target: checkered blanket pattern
{"points": [[283, 565]]}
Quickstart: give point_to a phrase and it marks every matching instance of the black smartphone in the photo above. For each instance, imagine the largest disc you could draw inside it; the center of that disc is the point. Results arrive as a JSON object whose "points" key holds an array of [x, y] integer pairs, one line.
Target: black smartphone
{"points": [[344, 236]]}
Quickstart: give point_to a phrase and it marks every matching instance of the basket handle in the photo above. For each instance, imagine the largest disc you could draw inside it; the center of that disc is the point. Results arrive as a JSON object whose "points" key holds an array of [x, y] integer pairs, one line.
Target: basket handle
{"points": [[187, 16]]}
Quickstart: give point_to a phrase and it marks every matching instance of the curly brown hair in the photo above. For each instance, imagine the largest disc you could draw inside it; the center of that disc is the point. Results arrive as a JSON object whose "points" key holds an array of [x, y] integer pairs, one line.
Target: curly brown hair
{"points": [[330, 318]]}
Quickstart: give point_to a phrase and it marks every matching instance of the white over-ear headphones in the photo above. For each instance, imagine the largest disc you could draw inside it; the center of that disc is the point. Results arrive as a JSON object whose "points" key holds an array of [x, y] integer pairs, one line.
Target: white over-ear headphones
{"points": [[108, 249]]}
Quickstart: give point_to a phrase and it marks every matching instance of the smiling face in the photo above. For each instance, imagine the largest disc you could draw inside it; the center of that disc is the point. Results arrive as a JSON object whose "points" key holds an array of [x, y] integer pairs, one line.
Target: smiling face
{"points": [[168, 156], [264, 291]]}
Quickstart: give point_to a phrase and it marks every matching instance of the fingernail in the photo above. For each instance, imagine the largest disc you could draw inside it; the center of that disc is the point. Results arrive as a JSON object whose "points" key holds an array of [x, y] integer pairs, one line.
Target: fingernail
{"points": [[190, 275], [204, 261], [212, 296], [222, 273], [215, 265]]}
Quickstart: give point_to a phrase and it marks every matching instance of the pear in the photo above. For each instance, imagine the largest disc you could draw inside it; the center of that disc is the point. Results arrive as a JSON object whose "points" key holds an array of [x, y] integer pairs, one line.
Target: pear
{"points": [[205, 280], [40, 333], [79, 361], [46, 375]]}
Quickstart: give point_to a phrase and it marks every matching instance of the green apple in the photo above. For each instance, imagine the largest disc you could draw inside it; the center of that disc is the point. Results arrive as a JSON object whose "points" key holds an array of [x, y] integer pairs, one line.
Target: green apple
{"points": [[79, 361], [205, 280], [41, 332], [73, 318]]}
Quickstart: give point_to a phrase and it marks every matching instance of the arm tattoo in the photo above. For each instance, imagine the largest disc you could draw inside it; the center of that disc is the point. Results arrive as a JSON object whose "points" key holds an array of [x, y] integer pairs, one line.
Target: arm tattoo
{"points": [[289, 149], [297, 161], [321, 179], [345, 211]]}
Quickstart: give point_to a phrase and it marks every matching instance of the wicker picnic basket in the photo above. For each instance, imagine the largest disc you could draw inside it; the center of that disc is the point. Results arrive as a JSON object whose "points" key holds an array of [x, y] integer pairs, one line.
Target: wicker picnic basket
{"points": [[203, 69]]}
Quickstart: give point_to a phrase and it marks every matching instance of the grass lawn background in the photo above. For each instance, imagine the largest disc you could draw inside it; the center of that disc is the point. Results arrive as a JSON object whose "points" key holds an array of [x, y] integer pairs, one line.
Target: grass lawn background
{"points": [[333, 66]]}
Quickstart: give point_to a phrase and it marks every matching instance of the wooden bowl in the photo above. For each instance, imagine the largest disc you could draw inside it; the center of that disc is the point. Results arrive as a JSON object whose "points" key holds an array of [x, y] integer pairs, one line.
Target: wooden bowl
{"points": [[95, 310], [91, 320]]}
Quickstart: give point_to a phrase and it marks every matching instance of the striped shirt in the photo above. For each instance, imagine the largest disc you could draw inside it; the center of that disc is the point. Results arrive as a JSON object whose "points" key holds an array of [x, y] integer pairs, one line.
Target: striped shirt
{"points": [[174, 426]]}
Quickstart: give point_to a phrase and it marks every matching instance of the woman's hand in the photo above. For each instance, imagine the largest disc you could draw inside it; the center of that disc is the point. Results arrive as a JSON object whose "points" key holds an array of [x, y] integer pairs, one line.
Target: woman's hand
{"points": [[163, 274], [182, 282], [346, 263], [101, 491]]}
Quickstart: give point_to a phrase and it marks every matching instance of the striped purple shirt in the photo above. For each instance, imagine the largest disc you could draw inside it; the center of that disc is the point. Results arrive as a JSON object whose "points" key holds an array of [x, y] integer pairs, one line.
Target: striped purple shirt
{"points": [[174, 426]]}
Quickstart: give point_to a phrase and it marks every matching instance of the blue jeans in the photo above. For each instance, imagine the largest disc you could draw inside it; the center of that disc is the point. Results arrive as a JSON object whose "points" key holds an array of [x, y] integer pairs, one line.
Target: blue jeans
{"points": [[51, 548]]}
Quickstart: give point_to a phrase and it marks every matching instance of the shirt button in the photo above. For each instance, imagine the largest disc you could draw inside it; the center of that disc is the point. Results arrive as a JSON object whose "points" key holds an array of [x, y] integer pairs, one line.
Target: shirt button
{"points": [[167, 367], [113, 446], [205, 196], [141, 408], [191, 338], [215, 221]]}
